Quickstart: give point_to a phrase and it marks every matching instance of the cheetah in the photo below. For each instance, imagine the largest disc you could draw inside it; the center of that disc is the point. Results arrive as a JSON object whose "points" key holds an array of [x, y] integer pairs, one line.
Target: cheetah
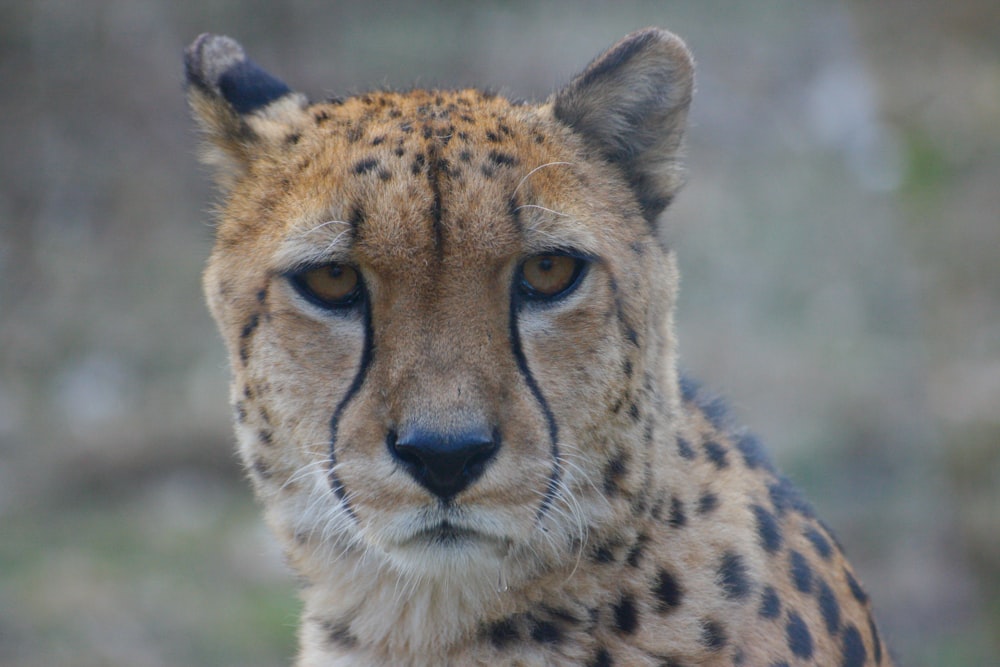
{"points": [[449, 318]]}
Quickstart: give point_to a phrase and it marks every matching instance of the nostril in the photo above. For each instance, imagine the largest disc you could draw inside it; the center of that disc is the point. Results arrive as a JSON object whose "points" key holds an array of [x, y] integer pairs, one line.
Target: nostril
{"points": [[444, 462]]}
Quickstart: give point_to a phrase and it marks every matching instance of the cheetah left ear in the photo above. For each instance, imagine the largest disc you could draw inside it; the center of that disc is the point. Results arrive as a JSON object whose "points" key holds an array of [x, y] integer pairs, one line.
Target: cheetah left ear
{"points": [[630, 105], [243, 111]]}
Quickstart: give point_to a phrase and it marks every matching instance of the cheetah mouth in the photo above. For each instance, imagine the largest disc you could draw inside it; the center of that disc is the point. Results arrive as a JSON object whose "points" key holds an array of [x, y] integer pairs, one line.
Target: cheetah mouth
{"points": [[448, 534]]}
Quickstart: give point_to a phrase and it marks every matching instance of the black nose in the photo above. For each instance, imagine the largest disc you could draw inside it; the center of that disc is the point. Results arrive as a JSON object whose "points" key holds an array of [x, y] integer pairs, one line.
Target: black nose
{"points": [[444, 463]]}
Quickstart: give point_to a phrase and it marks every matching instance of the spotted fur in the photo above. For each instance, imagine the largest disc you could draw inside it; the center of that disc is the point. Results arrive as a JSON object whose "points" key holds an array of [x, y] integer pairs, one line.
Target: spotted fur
{"points": [[461, 472]]}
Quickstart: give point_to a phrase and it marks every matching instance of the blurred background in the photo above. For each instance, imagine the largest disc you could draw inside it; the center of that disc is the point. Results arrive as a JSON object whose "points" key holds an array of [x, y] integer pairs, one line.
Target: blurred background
{"points": [[839, 241]]}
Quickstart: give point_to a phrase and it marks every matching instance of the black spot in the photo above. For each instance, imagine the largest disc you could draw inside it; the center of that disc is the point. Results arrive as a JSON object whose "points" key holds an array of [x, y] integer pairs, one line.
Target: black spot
{"points": [[684, 448], [614, 470], [395, 113], [503, 633], [669, 662], [365, 166], [250, 326], [260, 467], [802, 574], [384, 175], [419, 162], [338, 634], [488, 170], [265, 437], [689, 388], [713, 635], [378, 140], [819, 542], [716, 453], [428, 131], [626, 615], [465, 156], [828, 606], [768, 529], [635, 554], [753, 452], [770, 603], [707, 502], [601, 659], [399, 151], [262, 295], [739, 658], [321, 117], [800, 641], [633, 412], [716, 412], [492, 136], [545, 632], [604, 553], [354, 133], [356, 217], [734, 577], [667, 591], [779, 664], [853, 648], [502, 159], [406, 127], [856, 590], [241, 411], [876, 640], [656, 511], [630, 334], [677, 516], [293, 138], [627, 368], [786, 497]]}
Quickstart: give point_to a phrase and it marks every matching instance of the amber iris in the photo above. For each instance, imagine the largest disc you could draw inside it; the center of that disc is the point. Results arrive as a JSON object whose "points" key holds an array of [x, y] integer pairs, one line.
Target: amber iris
{"points": [[331, 285], [548, 276]]}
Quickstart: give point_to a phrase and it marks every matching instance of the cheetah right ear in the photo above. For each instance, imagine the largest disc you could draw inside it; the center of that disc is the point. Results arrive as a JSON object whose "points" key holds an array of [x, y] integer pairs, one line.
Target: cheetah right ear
{"points": [[242, 110], [630, 106]]}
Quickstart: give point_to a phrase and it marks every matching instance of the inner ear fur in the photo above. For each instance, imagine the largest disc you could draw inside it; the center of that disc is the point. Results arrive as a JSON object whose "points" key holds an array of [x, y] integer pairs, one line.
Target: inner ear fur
{"points": [[242, 110], [630, 105]]}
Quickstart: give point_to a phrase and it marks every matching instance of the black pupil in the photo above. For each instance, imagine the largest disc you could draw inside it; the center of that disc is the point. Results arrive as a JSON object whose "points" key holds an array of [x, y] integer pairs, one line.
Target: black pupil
{"points": [[545, 264]]}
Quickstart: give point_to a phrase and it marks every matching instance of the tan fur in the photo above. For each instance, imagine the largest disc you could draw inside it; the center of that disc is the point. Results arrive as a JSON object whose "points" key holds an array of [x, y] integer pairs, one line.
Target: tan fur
{"points": [[571, 548]]}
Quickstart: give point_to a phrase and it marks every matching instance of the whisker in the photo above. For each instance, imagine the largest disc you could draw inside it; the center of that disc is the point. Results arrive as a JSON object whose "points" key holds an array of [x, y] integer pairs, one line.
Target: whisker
{"points": [[543, 208], [320, 226], [541, 166]]}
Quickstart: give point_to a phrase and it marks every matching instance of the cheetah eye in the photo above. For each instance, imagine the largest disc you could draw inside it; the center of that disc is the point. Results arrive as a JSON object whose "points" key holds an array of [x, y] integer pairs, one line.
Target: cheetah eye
{"points": [[330, 286], [550, 275]]}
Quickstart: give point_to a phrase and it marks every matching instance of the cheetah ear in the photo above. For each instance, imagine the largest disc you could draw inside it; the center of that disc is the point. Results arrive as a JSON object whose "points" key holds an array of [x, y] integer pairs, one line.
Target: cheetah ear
{"points": [[242, 110], [630, 105]]}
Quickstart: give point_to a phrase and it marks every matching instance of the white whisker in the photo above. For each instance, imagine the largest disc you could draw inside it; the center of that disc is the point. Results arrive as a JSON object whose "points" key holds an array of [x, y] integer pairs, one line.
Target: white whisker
{"points": [[543, 208], [541, 166]]}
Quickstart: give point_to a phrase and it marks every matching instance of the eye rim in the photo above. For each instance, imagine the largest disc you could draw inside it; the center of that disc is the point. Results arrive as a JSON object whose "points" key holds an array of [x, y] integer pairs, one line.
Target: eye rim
{"points": [[297, 279], [581, 263]]}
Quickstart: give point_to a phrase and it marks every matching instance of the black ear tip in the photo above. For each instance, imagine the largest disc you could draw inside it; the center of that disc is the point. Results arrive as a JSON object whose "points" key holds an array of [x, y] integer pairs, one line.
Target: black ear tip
{"points": [[218, 65], [209, 57]]}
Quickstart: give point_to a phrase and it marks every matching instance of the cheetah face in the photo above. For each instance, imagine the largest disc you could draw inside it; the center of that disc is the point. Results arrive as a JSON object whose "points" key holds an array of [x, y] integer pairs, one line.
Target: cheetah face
{"points": [[437, 346]]}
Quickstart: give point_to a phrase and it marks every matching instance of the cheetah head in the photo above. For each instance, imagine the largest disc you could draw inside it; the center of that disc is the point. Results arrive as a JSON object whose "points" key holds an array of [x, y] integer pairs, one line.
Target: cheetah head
{"points": [[447, 315]]}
